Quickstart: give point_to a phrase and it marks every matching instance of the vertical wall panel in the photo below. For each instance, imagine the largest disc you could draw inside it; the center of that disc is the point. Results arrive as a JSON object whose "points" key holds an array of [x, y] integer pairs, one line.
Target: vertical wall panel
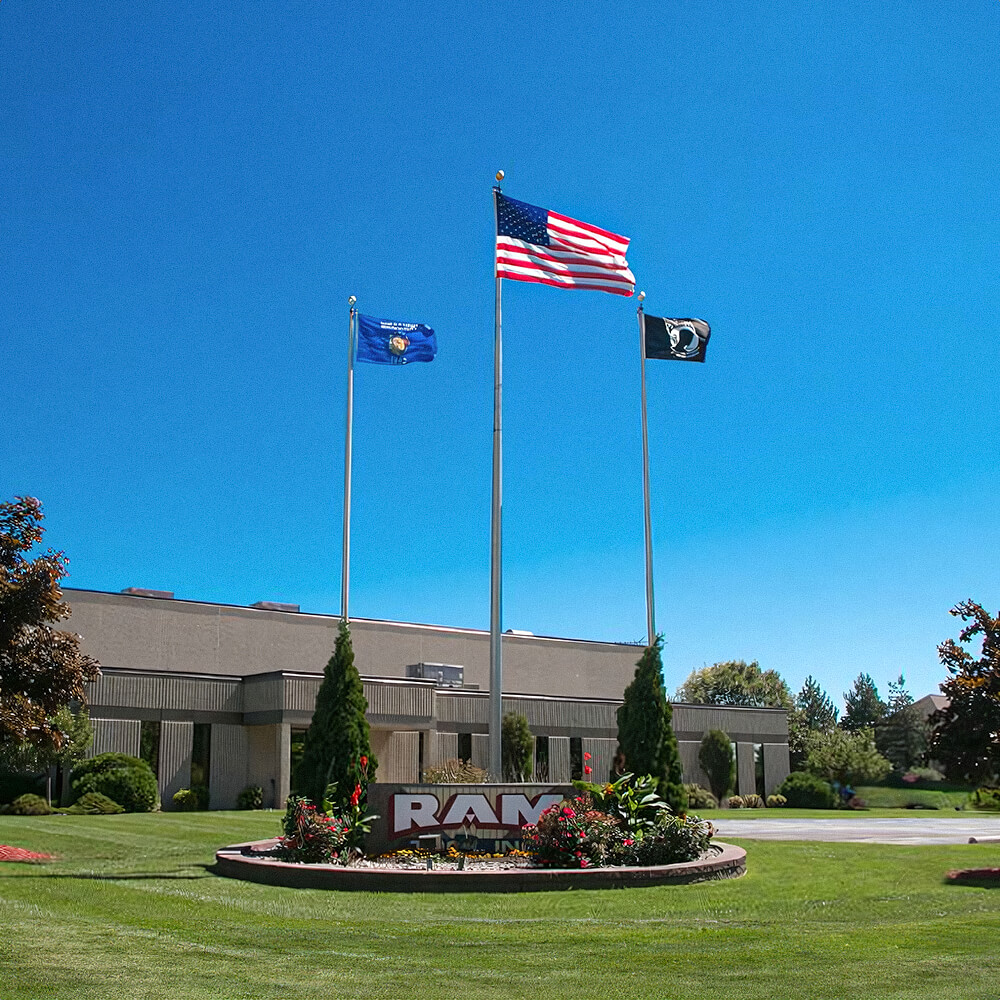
{"points": [[263, 751], [693, 774], [228, 775], [481, 753], [775, 765], [559, 759], [602, 753], [175, 759], [747, 780], [447, 747], [398, 757], [115, 736]]}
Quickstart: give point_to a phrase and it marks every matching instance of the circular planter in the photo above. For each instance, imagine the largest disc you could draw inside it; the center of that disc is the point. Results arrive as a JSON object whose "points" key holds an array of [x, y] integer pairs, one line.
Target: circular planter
{"points": [[723, 861]]}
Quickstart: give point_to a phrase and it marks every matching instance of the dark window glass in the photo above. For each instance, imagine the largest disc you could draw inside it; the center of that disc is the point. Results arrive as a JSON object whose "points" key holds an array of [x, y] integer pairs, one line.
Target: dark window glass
{"points": [[575, 758], [465, 746], [420, 756], [296, 746], [541, 758], [149, 744], [758, 768], [201, 755]]}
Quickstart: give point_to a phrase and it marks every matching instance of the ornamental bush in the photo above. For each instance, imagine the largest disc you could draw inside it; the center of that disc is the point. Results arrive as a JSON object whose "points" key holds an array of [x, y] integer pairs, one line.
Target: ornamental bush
{"points": [[674, 839], [185, 800], [700, 798], [776, 801], [310, 838], [252, 797], [570, 834], [986, 798], [126, 780], [30, 805], [806, 791], [95, 804], [455, 772]]}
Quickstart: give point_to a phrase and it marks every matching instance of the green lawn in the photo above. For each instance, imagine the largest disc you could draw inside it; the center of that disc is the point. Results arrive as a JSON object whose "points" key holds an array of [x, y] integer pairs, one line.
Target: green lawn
{"points": [[130, 910]]}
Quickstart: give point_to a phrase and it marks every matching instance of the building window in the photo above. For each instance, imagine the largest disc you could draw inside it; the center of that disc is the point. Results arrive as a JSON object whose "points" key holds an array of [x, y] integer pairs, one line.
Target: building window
{"points": [[420, 756], [541, 758], [758, 768], [465, 746], [296, 747], [201, 759], [575, 758], [149, 745]]}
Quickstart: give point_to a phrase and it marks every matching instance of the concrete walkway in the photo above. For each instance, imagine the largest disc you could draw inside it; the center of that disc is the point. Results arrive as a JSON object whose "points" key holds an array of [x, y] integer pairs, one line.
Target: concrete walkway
{"points": [[918, 830]]}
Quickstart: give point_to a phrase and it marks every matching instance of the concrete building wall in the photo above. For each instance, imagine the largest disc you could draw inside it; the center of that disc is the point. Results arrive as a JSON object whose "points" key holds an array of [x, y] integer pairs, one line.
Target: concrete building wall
{"points": [[264, 757], [184, 636], [559, 765], [175, 759], [602, 753], [776, 766], [115, 736], [228, 765], [746, 780]]}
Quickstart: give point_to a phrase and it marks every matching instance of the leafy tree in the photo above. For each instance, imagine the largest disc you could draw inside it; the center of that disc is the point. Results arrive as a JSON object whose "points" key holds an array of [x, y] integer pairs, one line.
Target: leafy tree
{"points": [[716, 758], [813, 712], [966, 738], [735, 682], [33, 758], [846, 756], [41, 669], [645, 737], [862, 705], [903, 733], [338, 736], [516, 744]]}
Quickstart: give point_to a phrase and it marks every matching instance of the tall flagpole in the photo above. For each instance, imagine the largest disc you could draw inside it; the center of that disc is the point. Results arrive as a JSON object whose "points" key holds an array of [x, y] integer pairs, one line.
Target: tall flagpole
{"points": [[496, 576], [650, 618], [345, 569]]}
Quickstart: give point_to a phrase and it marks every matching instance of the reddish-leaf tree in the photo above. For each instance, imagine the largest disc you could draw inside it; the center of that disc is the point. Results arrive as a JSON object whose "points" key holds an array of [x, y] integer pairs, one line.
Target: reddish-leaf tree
{"points": [[41, 668], [966, 738]]}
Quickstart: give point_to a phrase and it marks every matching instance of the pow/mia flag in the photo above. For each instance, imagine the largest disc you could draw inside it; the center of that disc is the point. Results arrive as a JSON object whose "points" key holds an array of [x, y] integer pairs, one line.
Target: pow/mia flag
{"points": [[676, 339]]}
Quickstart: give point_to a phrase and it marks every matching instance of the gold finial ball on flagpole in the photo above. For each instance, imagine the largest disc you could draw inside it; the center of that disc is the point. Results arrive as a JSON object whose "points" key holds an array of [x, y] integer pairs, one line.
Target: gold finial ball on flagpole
{"points": [[352, 300], [499, 176], [642, 296]]}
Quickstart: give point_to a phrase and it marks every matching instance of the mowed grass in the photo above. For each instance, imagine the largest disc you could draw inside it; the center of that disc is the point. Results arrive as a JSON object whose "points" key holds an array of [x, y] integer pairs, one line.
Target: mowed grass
{"points": [[131, 910]]}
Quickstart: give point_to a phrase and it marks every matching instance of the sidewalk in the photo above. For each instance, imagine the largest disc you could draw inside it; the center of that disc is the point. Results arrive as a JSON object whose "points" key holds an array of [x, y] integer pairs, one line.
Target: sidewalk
{"points": [[919, 830]]}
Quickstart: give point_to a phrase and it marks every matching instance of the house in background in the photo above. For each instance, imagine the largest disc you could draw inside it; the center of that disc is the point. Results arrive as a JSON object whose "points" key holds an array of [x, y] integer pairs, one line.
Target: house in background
{"points": [[219, 695]]}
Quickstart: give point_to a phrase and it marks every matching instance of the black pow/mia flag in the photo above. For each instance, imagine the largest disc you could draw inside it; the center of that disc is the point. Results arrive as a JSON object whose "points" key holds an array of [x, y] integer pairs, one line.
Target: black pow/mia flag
{"points": [[676, 339]]}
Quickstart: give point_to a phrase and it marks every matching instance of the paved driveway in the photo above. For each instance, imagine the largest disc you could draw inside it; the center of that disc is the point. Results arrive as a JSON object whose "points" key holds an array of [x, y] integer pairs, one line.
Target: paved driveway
{"points": [[918, 830]]}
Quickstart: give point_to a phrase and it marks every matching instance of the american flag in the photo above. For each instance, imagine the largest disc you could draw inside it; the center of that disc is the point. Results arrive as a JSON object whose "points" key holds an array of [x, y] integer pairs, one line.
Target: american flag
{"points": [[534, 244]]}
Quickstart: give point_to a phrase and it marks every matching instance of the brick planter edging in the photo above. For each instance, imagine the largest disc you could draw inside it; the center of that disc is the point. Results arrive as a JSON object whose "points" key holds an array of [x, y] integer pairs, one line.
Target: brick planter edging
{"points": [[726, 861]]}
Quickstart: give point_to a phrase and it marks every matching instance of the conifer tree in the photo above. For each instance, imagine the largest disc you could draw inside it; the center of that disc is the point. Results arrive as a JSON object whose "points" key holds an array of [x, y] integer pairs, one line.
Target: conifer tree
{"points": [[645, 736], [338, 736], [862, 705]]}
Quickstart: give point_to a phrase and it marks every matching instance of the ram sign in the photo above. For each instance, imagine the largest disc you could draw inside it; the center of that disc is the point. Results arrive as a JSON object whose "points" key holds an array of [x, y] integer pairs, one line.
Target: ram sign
{"points": [[473, 817]]}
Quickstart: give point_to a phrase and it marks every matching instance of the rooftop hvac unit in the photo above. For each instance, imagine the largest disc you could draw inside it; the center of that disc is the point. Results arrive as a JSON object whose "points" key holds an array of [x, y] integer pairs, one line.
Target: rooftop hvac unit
{"points": [[443, 674]]}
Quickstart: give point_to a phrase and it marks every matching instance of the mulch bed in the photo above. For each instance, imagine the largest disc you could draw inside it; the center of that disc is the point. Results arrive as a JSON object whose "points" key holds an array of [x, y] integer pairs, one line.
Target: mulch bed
{"points": [[20, 854], [974, 876]]}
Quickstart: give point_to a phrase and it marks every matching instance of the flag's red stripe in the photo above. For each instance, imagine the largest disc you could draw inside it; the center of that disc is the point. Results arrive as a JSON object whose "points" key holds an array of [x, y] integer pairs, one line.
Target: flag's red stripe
{"points": [[569, 275], [550, 263], [594, 229], [564, 256], [501, 273]]}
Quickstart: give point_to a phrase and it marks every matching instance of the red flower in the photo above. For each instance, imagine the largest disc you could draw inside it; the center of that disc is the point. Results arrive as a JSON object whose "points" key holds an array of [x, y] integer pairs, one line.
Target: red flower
{"points": [[364, 761], [568, 812], [586, 756], [355, 795], [587, 769]]}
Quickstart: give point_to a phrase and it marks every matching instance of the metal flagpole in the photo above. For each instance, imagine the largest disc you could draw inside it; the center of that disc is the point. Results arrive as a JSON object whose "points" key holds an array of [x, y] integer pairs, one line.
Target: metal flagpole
{"points": [[650, 622], [345, 569], [496, 581]]}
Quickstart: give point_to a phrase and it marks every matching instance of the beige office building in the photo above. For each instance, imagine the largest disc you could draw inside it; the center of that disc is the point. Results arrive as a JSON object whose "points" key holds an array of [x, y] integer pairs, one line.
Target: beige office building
{"points": [[220, 694]]}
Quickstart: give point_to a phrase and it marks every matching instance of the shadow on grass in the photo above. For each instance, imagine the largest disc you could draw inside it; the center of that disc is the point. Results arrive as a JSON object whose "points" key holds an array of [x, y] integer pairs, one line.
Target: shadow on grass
{"points": [[207, 871]]}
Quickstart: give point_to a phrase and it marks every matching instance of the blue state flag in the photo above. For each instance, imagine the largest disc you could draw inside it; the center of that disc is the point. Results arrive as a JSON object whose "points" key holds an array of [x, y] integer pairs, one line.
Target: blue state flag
{"points": [[386, 342]]}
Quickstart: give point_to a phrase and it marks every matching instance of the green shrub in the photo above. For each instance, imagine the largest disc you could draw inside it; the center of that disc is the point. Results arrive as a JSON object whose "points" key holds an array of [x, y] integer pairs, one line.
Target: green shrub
{"points": [[186, 800], [715, 755], [776, 801], [252, 797], [735, 802], [700, 798], [201, 794], [126, 780], [312, 838], [94, 804], [752, 801], [30, 805], [986, 798], [571, 834], [806, 791]]}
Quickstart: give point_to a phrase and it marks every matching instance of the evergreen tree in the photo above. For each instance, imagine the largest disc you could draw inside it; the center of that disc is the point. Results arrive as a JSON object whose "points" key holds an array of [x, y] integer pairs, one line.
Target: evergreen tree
{"points": [[338, 736], [716, 758], [645, 736], [903, 734], [862, 705], [813, 712]]}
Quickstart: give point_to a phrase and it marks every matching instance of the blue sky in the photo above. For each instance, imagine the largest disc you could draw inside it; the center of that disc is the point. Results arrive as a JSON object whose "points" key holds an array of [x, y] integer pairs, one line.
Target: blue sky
{"points": [[191, 194]]}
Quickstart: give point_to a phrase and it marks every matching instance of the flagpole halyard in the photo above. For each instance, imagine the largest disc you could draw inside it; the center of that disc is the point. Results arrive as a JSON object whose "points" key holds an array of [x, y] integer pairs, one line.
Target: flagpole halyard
{"points": [[345, 569], [496, 573], [650, 615]]}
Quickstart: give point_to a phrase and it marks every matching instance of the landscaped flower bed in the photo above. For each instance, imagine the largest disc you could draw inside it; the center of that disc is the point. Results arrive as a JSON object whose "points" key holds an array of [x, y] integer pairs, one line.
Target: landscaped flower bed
{"points": [[20, 854]]}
